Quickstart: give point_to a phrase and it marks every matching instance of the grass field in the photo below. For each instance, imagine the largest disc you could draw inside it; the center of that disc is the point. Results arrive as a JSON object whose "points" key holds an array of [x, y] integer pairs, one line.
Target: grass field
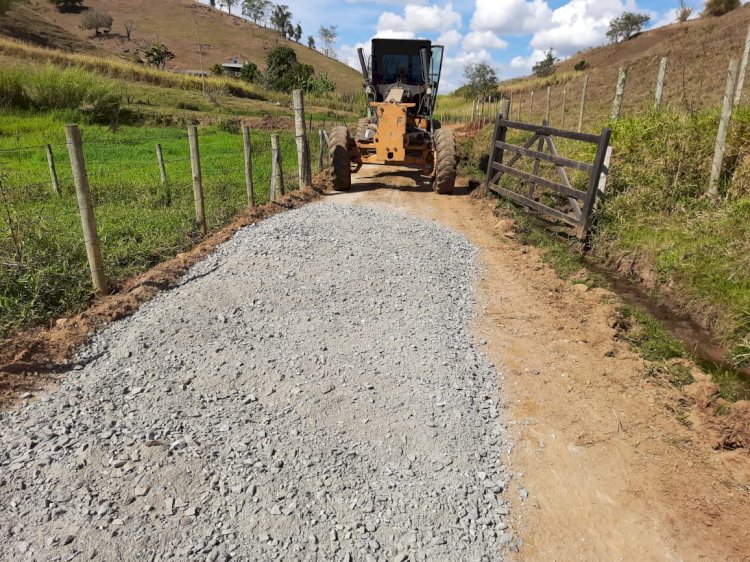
{"points": [[44, 270]]}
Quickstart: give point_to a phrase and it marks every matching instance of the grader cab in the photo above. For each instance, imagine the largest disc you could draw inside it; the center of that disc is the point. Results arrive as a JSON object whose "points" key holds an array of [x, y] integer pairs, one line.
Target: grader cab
{"points": [[401, 83]]}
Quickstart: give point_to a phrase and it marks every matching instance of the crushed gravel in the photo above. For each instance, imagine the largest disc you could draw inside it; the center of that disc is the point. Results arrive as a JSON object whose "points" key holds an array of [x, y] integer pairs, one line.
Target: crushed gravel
{"points": [[308, 392]]}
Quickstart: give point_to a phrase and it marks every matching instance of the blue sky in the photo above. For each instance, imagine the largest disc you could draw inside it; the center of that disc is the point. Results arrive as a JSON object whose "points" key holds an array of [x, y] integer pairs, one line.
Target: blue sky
{"points": [[510, 35]]}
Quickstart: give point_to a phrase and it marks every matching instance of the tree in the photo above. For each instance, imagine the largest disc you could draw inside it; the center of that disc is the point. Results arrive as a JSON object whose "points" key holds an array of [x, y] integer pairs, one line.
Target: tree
{"points": [[66, 5], [683, 12], [129, 29], [720, 7], [213, 3], [281, 18], [255, 9], [328, 36], [481, 80], [228, 4], [297, 32], [624, 26], [546, 66], [94, 20], [283, 72], [311, 42], [250, 72], [156, 54]]}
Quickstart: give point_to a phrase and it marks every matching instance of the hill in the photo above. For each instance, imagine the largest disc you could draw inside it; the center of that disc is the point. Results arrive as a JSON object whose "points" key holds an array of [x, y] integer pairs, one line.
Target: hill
{"points": [[172, 22], [698, 52]]}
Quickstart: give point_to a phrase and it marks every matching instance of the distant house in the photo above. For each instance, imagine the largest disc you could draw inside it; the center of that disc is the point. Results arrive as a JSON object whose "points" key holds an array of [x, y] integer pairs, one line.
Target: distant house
{"points": [[233, 68]]}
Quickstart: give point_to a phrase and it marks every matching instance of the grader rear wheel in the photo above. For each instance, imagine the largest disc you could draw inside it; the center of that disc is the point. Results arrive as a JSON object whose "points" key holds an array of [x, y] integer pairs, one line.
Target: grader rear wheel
{"points": [[445, 161], [341, 172]]}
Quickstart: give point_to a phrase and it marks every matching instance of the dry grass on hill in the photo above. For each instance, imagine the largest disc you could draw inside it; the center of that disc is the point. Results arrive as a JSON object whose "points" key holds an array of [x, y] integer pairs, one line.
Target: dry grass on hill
{"points": [[171, 22]]}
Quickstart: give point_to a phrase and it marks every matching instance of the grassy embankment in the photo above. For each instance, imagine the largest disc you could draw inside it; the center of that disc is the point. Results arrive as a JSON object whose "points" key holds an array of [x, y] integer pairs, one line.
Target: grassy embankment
{"points": [[44, 270], [659, 229]]}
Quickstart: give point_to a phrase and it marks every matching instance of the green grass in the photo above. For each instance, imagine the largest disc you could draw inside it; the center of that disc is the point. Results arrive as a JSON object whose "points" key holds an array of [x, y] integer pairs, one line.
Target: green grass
{"points": [[44, 270]]}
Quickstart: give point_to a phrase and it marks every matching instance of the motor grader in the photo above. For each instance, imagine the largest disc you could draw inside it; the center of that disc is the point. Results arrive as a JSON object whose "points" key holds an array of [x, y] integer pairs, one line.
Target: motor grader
{"points": [[401, 82]]}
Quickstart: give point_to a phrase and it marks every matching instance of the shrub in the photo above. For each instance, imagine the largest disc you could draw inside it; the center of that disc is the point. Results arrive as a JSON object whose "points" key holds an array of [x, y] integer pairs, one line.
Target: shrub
{"points": [[720, 7], [66, 5], [94, 20], [284, 72], [582, 65], [250, 72], [217, 70], [230, 125]]}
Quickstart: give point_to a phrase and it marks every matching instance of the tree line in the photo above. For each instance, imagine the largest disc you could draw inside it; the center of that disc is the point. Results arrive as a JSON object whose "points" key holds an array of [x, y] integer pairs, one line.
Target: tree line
{"points": [[280, 18]]}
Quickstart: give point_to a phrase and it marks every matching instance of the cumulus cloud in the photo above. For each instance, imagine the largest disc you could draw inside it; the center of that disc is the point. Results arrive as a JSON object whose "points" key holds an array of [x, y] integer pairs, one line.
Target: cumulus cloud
{"points": [[515, 17], [478, 40], [418, 18], [579, 24], [449, 39]]}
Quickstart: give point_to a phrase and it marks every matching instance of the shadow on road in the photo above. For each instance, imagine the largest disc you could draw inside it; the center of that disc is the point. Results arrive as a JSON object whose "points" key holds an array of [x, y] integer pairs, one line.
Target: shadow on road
{"points": [[374, 178]]}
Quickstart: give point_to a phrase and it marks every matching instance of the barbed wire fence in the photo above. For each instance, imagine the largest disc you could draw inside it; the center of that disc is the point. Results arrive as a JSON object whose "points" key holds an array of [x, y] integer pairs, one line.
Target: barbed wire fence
{"points": [[138, 200]]}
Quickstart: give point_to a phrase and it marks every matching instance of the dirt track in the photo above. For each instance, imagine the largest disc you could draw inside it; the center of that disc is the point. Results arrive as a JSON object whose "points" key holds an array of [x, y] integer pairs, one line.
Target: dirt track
{"points": [[611, 474]]}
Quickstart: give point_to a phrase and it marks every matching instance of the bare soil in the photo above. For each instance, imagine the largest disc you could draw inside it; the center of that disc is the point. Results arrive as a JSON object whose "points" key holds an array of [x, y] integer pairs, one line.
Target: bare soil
{"points": [[616, 467]]}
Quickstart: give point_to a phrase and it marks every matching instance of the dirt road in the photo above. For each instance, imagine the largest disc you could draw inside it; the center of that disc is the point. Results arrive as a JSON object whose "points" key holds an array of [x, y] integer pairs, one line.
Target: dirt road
{"points": [[611, 472], [311, 391]]}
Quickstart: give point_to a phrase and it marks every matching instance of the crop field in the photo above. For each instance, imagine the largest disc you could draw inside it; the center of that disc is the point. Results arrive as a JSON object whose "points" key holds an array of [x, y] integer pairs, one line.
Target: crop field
{"points": [[140, 221]]}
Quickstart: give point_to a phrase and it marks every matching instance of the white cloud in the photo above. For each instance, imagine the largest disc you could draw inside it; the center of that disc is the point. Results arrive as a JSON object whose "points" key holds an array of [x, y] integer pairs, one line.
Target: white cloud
{"points": [[478, 40], [420, 18], [510, 16], [449, 39], [579, 24]]}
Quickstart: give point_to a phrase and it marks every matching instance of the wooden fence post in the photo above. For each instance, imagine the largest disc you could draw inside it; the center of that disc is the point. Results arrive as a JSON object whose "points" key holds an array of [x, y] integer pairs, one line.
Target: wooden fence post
{"points": [[248, 149], [195, 164], [531, 107], [583, 102], [277, 170], [721, 137], [519, 112], [321, 141], [85, 206], [163, 174], [546, 107], [743, 69], [619, 93], [510, 117], [660, 83], [505, 109], [303, 153], [53, 170], [564, 102]]}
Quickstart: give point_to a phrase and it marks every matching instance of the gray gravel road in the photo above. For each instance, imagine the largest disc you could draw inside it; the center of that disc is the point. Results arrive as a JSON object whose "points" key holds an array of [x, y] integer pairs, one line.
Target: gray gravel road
{"points": [[309, 392]]}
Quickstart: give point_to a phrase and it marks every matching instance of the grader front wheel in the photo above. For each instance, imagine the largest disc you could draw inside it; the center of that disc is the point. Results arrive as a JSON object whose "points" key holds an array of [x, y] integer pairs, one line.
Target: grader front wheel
{"points": [[341, 173], [445, 161]]}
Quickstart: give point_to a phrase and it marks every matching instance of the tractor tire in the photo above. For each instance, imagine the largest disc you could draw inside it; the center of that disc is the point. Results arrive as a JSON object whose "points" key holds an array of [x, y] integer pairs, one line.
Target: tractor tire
{"points": [[361, 127], [445, 161], [341, 171]]}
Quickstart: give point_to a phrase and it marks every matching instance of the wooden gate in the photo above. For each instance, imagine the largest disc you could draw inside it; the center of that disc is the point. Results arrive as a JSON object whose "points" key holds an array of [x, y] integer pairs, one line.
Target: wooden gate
{"points": [[580, 204]]}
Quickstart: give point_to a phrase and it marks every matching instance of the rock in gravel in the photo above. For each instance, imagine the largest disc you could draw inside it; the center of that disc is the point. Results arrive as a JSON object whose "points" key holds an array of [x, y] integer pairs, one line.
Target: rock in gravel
{"points": [[312, 378]]}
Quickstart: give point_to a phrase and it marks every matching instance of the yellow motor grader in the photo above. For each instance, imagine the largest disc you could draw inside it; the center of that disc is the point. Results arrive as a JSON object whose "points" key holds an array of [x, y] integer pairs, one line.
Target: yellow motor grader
{"points": [[401, 83]]}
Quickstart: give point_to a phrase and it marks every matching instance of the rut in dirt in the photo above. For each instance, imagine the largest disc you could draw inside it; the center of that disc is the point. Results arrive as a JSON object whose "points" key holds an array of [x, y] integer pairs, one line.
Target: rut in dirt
{"points": [[310, 391]]}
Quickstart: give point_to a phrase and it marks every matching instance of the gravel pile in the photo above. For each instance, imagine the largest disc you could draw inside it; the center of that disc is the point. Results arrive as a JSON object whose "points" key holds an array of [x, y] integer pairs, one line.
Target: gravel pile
{"points": [[309, 392]]}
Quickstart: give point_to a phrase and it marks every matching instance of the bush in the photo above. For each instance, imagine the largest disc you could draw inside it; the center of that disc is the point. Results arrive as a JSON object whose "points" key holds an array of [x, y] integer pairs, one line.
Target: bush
{"points": [[582, 65], [217, 69], [94, 20], [284, 72], [230, 125], [720, 7], [250, 72]]}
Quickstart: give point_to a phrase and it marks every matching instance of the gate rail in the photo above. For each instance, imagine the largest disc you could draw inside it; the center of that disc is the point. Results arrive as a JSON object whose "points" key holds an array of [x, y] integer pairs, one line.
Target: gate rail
{"points": [[577, 216]]}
